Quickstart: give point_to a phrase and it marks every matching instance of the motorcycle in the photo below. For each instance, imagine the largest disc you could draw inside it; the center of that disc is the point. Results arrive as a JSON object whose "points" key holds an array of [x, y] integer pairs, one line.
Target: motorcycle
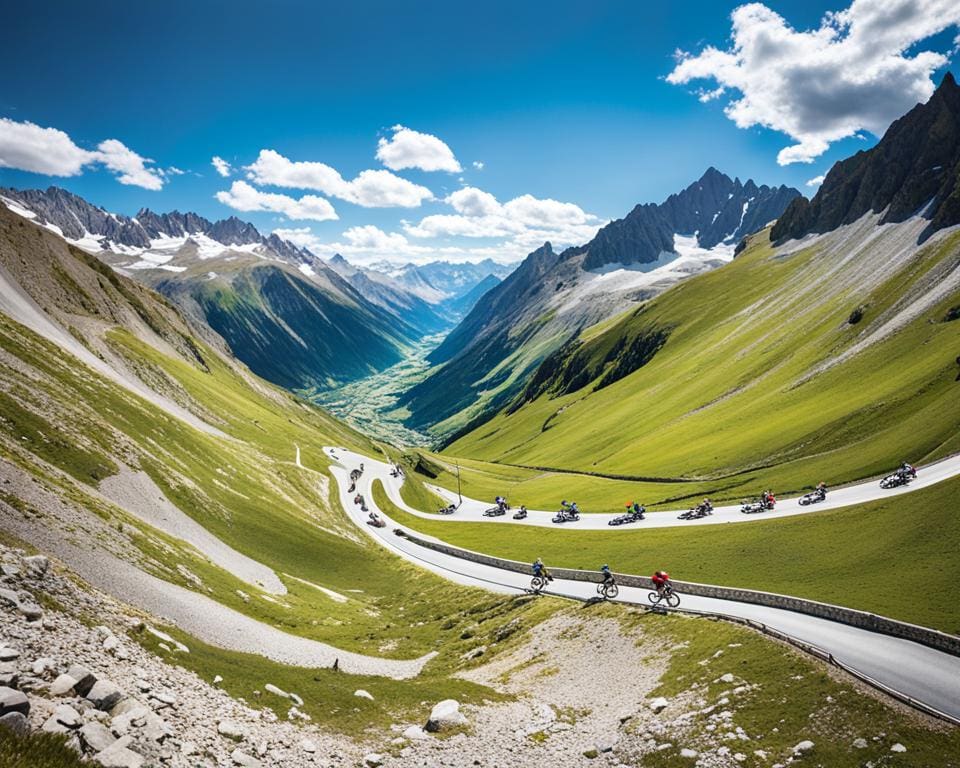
{"points": [[497, 511], [695, 513], [815, 497], [752, 507], [376, 521], [897, 479], [628, 517], [448, 510], [520, 514], [566, 516]]}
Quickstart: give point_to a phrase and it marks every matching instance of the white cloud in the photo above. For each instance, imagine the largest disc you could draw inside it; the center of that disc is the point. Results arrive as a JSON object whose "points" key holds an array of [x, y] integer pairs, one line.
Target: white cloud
{"points": [[369, 244], [173, 171], [221, 165], [478, 164], [525, 219], [128, 165], [411, 149], [30, 147], [243, 197], [816, 181], [370, 189], [858, 70]]}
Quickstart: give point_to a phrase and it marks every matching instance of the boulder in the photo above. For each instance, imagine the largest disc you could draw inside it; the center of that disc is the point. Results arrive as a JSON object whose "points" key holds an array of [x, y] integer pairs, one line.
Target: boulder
{"points": [[444, 715], [415, 733], [860, 743], [231, 730], [308, 746], [659, 704], [156, 728], [607, 743], [118, 755], [360, 693], [16, 722], [804, 746], [898, 747], [373, 760], [30, 611], [9, 654], [64, 685], [42, 664], [36, 566], [104, 695], [13, 701], [244, 760], [63, 720], [688, 753], [9, 679], [96, 737], [83, 677]]}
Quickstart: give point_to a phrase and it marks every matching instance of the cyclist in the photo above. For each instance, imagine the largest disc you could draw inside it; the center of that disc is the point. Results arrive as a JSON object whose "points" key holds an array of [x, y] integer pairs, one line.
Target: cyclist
{"points": [[608, 579], [539, 569], [660, 581]]}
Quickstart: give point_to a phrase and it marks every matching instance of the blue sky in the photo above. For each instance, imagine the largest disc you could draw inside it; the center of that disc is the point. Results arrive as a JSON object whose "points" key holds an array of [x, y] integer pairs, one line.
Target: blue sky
{"points": [[560, 101]]}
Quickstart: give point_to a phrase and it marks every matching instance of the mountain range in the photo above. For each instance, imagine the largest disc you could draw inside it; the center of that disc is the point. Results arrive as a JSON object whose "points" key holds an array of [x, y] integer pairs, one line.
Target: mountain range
{"points": [[296, 319], [553, 297]]}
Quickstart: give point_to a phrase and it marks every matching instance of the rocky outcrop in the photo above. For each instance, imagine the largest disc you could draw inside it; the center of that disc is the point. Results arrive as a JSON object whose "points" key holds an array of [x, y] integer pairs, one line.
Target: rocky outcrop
{"points": [[913, 169]]}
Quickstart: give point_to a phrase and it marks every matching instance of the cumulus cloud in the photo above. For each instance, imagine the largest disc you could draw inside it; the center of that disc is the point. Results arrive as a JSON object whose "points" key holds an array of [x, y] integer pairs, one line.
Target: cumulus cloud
{"points": [[859, 70], [129, 167], [411, 149], [816, 181], [478, 164], [243, 197], [222, 166], [370, 189], [30, 147], [525, 219], [369, 244]]}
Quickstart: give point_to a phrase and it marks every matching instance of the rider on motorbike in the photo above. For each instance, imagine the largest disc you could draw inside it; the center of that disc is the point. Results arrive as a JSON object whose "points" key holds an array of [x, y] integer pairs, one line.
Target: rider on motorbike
{"points": [[821, 490], [660, 580], [907, 470], [767, 499], [637, 509]]}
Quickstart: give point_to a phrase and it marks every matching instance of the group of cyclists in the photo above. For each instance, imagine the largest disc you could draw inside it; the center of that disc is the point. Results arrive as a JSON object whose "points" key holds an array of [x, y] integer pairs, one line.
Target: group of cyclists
{"points": [[607, 587]]}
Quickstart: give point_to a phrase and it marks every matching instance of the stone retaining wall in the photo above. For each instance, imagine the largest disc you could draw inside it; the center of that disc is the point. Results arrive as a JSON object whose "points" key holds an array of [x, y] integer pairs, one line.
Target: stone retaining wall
{"points": [[932, 638]]}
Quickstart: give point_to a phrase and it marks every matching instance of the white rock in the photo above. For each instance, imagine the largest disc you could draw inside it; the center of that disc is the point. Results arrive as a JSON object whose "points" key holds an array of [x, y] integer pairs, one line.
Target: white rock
{"points": [[217, 679], [659, 704], [727, 678], [231, 730], [373, 760], [62, 686], [188, 748], [12, 700], [362, 694], [104, 695], [117, 755], [42, 664], [804, 746], [9, 654], [308, 746], [415, 733], [445, 714], [244, 760], [688, 753], [898, 747], [860, 743], [96, 736]]}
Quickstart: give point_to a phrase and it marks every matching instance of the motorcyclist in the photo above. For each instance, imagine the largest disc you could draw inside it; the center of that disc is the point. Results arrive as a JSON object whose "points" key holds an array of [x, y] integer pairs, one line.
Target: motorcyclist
{"points": [[522, 512], [821, 490], [539, 569], [660, 580], [637, 509], [767, 499], [501, 502], [907, 470], [705, 507]]}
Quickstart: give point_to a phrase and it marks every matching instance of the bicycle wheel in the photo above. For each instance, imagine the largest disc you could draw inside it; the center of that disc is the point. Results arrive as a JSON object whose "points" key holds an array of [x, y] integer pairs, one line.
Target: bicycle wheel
{"points": [[673, 599], [611, 592], [600, 587], [654, 597], [538, 583]]}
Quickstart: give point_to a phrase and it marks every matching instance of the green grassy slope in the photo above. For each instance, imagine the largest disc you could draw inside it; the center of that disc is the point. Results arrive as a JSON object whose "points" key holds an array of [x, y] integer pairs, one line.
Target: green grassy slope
{"points": [[855, 557], [740, 396]]}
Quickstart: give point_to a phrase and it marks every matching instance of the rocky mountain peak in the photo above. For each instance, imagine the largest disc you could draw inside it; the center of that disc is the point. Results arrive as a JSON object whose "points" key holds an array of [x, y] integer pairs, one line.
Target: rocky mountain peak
{"points": [[912, 170]]}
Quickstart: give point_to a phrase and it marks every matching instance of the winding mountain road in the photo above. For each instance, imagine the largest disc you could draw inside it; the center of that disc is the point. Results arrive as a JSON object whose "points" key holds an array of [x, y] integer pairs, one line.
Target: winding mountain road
{"points": [[931, 677]]}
